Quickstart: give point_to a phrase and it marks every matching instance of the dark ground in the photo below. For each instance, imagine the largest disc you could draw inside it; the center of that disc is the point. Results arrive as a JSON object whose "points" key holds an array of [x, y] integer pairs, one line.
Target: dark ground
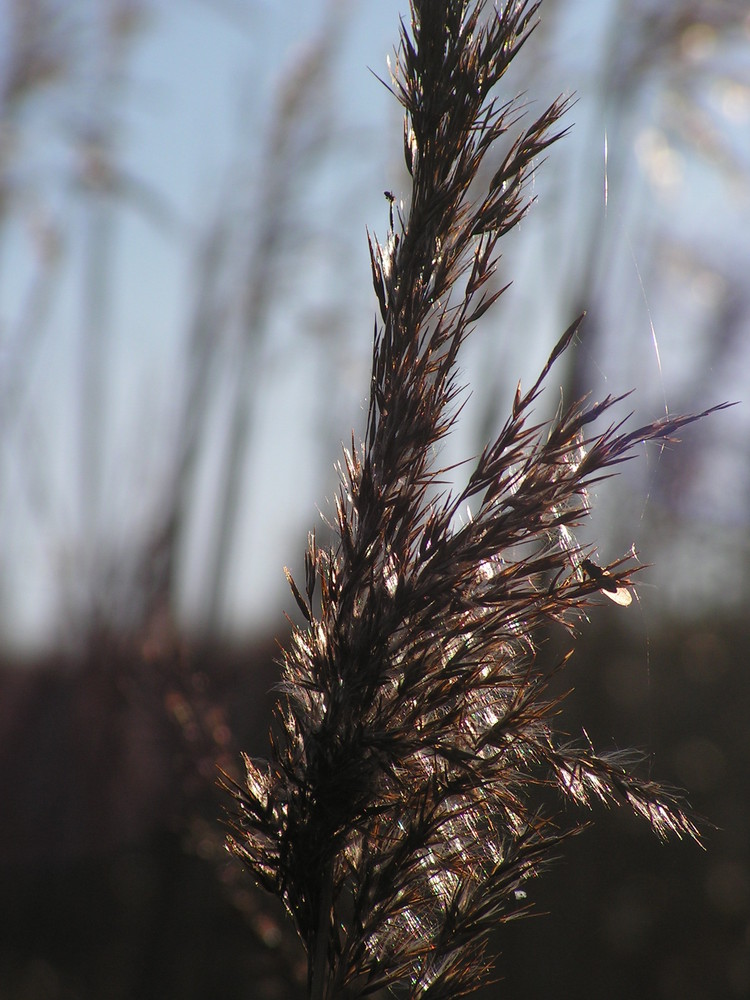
{"points": [[114, 882]]}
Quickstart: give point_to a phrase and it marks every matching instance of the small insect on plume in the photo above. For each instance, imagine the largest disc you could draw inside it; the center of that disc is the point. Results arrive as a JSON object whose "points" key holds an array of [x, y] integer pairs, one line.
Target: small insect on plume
{"points": [[607, 583]]}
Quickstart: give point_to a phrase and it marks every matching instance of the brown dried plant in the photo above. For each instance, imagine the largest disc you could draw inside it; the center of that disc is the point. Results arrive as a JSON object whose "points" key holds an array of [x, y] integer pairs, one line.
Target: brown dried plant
{"points": [[401, 808]]}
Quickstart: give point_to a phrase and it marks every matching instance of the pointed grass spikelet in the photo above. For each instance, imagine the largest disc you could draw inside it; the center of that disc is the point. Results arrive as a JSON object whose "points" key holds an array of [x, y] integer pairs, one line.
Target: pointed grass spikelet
{"points": [[399, 812]]}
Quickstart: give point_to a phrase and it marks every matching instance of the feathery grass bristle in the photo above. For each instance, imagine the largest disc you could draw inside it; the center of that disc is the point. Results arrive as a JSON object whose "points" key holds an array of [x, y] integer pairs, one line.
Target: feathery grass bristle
{"points": [[399, 812]]}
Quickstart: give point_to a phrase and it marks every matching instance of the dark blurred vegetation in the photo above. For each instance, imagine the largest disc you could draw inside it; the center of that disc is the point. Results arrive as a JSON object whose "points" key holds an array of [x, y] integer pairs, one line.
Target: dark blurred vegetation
{"points": [[113, 877], [114, 881]]}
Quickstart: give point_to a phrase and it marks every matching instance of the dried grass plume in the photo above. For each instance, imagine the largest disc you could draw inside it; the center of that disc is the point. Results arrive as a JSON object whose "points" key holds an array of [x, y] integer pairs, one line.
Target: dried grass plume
{"points": [[399, 812]]}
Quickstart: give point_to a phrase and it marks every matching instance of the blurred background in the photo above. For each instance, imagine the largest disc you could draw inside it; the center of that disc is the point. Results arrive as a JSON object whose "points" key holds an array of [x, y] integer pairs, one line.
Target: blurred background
{"points": [[185, 337]]}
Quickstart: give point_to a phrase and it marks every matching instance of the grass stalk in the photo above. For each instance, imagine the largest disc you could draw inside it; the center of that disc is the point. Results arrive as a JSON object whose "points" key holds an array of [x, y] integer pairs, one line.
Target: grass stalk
{"points": [[414, 735]]}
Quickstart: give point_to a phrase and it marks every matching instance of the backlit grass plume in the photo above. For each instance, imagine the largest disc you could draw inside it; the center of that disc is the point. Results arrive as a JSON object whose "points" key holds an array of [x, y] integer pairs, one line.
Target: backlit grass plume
{"points": [[399, 812]]}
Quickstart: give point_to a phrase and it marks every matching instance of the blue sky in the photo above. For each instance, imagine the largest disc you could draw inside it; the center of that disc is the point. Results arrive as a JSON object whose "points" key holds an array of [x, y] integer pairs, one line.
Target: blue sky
{"points": [[192, 117]]}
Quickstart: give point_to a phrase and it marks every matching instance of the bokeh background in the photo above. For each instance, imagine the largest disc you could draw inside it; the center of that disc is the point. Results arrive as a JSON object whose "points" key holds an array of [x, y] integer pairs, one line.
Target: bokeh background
{"points": [[185, 333]]}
